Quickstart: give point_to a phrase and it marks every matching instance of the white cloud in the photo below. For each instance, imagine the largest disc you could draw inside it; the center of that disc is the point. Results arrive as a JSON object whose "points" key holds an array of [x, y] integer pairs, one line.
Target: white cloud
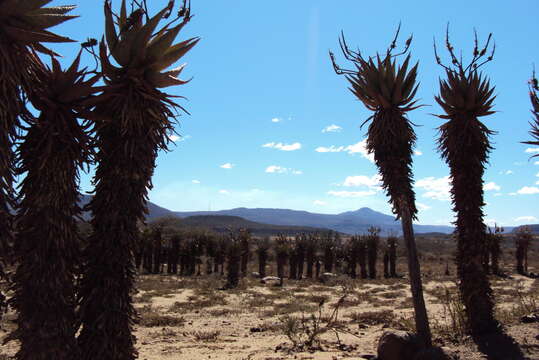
{"points": [[491, 186], [506, 172], [498, 194], [224, 192], [362, 180], [176, 138], [194, 181], [360, 147], [332, 128], [319, 202], [418, 152], [356, 148], [275, 169], [532, 150], [332, 148], [527, 190], [436, 188], [227, 166], [526, 219], [422, 207], [512, 194], [490, 222], [276, 120], [349, 194], [537, 182], [536, 163], [283, 147]]}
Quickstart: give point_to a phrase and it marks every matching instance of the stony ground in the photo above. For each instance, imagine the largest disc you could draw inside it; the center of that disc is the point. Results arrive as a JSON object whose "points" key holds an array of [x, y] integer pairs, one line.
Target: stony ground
{"points": [[189, 318]]}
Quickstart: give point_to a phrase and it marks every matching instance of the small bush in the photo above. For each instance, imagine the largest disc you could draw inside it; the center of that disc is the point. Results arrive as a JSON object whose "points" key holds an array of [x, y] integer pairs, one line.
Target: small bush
{"points": [[206, 336]]}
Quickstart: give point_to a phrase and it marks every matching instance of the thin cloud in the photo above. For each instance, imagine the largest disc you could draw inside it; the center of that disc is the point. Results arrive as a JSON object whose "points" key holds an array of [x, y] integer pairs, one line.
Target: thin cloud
{"points": [[194, 181], [176, 138], [418, 152], [362, 180], [351, 194], [491, 186], [528, 190], [357, 148], [532, 150], [528, 218], [227, 166], [332, 128], [276, 120], [319, 202], [283, 147], [224, 192], [275, 169], [422, 207], [436, 188]]}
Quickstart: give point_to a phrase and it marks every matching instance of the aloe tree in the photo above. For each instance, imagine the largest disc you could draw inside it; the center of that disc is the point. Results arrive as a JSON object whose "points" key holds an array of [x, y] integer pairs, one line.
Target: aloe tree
{"points": [[52, 151], [534, 97], [465, 96], [23, 26], [389, 90], [134, 122]]}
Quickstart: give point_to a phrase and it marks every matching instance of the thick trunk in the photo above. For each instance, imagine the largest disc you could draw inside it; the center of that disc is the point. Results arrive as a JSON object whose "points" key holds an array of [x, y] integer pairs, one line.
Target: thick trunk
{"points": [[414, 270], [262, 256], [386, 265]]}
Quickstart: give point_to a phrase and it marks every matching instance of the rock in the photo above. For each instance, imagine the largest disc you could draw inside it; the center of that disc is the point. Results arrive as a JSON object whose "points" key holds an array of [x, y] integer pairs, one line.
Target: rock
{"points": [[398, 345], [531, 318], [325, 277], [255, 274], [270, 279]]}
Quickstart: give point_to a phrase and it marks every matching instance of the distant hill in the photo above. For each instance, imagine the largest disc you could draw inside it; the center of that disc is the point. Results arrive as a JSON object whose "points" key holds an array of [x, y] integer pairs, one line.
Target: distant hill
{"points": [[533, 227], [225, 223], [350, 222], [154, 211]]}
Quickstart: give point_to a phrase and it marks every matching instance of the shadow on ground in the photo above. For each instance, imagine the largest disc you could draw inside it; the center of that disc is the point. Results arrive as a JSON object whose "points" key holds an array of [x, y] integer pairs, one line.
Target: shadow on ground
{"points": [[499, 346]]}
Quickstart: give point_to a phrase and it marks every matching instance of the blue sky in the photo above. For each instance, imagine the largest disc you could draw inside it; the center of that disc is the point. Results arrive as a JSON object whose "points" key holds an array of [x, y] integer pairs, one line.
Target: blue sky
{"points": [[272, 125]]}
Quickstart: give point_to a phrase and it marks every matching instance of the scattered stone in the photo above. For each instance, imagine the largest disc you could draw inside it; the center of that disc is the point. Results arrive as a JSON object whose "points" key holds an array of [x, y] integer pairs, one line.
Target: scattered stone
{"points": [[270, 279], [398, 345], [325, 277], [530, 318], [256, 329]]}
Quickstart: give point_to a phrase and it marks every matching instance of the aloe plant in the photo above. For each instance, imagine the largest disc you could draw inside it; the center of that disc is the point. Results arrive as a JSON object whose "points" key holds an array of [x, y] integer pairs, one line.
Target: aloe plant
{"points": [[134, 122], [389, 91], [53, 150], [465, 96], [23, 26]]}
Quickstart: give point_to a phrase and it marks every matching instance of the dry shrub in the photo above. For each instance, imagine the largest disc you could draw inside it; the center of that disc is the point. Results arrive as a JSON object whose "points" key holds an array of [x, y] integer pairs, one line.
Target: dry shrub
{"points": [[381, 317], [206, 336], [149, 317]]}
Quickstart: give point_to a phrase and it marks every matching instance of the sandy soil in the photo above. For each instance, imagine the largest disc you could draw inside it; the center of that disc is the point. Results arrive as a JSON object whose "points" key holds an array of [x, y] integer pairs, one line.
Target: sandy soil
{"points": [[189, 318]]}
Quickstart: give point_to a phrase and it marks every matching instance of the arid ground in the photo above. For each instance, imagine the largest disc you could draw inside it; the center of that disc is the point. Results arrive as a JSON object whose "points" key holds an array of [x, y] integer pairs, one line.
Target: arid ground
{"points": [[190, 318]]}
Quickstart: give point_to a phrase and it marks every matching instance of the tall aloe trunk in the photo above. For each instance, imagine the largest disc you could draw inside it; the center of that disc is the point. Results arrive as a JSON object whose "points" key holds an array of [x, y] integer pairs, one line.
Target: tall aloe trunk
{"points": [[52, 151], [465, 96], [389, 90], [134, 120]]}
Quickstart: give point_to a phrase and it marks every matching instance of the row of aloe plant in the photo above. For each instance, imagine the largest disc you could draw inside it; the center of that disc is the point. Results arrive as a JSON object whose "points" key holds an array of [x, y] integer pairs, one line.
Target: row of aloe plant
{"points": [[120, 126], [465, 95]]}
